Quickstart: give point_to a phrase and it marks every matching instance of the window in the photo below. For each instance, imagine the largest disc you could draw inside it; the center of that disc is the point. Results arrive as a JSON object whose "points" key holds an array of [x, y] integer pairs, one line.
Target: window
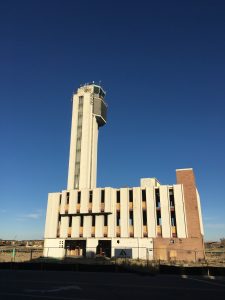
{"points": [[60, 198], [173, 218], [102, 196], [81, 221], [78, 197], [70, 221], [81, 100], [144, 195], [93, 221], [144, 214], [173, 221], [67, 198], [157, 198], [130, 195], [96, 90], [101, 93], [90, 196], [171, 195], [118, 197], [158, 216], [78, 143], [105, 220], [131, 218], [76, 181], [118, 218]]}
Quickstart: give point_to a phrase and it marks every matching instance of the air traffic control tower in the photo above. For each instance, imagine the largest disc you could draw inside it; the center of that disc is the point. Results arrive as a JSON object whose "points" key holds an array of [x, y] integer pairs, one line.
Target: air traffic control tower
{"points": [[152, 221], [89, 113]]}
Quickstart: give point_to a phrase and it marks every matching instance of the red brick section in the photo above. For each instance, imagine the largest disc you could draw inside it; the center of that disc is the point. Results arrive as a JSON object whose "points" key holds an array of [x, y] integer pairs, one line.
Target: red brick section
{"points": [[189, 249], [192, 247], [187, 178]]}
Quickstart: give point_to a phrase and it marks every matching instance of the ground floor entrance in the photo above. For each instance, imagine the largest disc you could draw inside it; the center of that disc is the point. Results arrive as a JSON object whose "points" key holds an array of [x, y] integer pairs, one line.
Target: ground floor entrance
{"points": [[104, 248], [75, 248]]}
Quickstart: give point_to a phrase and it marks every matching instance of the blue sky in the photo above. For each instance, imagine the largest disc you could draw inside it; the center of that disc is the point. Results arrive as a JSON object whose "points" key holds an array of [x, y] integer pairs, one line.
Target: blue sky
{"points": [[162, 64]]}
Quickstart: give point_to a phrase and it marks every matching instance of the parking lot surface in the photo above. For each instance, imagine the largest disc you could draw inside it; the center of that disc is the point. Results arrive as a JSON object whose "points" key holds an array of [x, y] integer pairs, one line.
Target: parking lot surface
{"points": [[91, 285]]}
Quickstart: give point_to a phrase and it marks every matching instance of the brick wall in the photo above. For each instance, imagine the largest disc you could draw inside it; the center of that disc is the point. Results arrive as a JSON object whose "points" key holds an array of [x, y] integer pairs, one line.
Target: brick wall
{"points": [[187, 178], [189, 249]]}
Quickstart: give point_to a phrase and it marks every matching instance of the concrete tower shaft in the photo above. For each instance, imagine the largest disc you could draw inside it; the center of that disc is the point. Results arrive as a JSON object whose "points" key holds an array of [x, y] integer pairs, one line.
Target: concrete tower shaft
{"points": [[89, 113]]}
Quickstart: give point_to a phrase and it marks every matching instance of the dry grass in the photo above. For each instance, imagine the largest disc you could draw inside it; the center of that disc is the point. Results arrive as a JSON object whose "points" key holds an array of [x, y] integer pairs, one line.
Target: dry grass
{"points": [[20, 254]]}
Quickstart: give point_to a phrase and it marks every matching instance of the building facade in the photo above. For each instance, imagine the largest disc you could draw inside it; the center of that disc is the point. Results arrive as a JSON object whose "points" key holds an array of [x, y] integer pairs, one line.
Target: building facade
{"points": [[152, 221]]}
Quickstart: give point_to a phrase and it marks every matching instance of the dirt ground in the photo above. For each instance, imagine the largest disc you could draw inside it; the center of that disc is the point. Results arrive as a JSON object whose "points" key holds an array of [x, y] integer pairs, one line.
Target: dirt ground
{"points": [[19, 254]]}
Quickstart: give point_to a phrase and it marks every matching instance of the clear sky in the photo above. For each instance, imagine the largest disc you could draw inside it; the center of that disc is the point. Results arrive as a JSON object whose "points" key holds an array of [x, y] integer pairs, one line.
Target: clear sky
{"points": [[162, 64]]}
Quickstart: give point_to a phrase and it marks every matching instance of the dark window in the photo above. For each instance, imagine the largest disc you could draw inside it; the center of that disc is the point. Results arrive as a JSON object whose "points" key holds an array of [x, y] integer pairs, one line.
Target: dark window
{"points": [[101, 94], [144, 195], [67, 198], [59, 218], [157, 198], [93, 220], [118, 197], [79, 197], [90, 196], [173, 218], [131, 218], [70, 221], [158, 215], [171, 194], [81, 221], [117, 218], [105, 220], [144, 217], [173, 223], [60, 198], [96, 90], [81, 98], [170, 191], [130, 195], [102, 196]]}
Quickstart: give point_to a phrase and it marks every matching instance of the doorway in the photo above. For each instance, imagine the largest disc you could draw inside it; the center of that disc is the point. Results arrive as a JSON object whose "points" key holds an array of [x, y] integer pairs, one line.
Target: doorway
{"points": [[75, 248], [104, 248]]}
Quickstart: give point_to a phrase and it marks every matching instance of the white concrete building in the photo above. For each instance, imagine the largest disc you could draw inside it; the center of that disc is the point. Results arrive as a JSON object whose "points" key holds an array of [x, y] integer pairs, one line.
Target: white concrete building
{"points": [[152, 221]]}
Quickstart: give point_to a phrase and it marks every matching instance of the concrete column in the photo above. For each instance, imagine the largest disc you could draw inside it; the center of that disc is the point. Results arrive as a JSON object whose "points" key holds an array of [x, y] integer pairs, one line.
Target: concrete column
{"points": [[52, 214], [75, 227], [137, 208], [151, 211], [165, 211], [64, 227], [180, 211], [124, 212]]}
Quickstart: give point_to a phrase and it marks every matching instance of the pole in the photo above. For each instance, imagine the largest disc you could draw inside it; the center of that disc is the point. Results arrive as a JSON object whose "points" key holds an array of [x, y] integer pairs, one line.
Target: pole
{"points": [[13, 254]]}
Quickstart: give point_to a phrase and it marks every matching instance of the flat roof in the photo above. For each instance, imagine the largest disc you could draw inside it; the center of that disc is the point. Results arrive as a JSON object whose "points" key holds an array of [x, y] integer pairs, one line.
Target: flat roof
{"points": [[184, 169]]}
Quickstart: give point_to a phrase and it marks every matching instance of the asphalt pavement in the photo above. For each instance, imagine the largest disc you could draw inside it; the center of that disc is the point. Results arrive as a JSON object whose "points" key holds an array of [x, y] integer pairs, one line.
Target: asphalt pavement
{"points": [[91, 285]]}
